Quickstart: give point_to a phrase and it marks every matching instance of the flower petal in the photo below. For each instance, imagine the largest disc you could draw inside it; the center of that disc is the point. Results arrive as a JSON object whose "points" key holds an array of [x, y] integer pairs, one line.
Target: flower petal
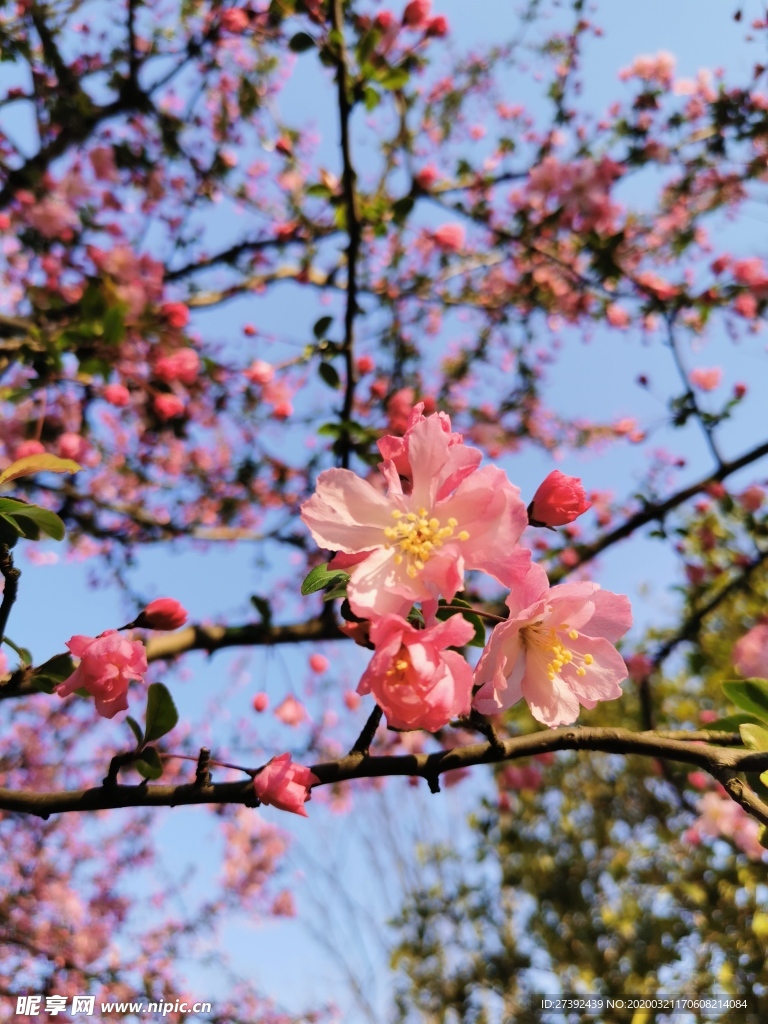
{"points": [[346, 513]]}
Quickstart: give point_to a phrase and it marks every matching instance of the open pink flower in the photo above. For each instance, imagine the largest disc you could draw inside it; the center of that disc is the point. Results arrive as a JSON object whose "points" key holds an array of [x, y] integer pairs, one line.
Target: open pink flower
{"points": [[721, 816], [555, 650], [416, 682], [559, 500], [415, 546], [750, 654], [706, 379], [291, 711], [285, 785], [108, 663]]}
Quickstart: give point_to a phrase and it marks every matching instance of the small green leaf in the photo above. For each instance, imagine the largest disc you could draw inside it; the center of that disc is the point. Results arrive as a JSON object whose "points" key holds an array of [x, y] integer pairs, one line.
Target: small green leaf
{"points": [[320, 577], [321, 327], [393, 78], [371, 98], [162, 715], [762, 835], [750, 695], [330, 375], [754, 736], [149, 764], [30, 519], [135, 729], [339, 591], [52, 672], [301, 42], [114, 326], [731, 723], [263, 607]]}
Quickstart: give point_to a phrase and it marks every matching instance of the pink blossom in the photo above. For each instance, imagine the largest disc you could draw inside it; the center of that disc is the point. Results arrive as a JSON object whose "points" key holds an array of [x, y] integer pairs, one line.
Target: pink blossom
{"points": [[365, 364], [72, 446], [415, 546], [416, 13], [103, 162], [53, 218], [183, 365], [438, 27], [282, 783], [27, 448], [117, 394], [176, 314], [413, 678], [450, 237], [319, 663], [639, 667], [234, 20], [351, 699], [384, 20], [168, 407], [260, 372], [163, 613], [616, 316], [750, 653], [283, 904], [260, 702], [427, 177], [706, 379], [721, 816], [3, 664], [555, 650], [291, 711], [751, 272], [559, 500], [752, 498], [108, 663]]}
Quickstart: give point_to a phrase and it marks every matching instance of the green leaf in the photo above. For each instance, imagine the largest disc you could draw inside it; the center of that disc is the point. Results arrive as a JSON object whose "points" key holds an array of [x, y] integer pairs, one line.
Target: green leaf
{"points": [[263, 607], [33, 519], [731, 723], [321, 327], [754, 736], [402, 208], [135, 729], [371, 98], [762, 835], [393, 78], [161, 715], [339, 591], [52, 672], [321, 577], [330, 375], [301, 42], [750, 695], [114, 326], [149, 764], [443, 613]]}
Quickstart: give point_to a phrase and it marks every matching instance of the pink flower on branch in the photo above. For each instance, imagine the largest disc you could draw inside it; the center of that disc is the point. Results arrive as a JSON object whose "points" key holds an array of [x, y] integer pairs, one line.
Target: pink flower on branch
{"points": [[555, 650], [706, 379], [162, 613], [559, 500], [416, 682], [750, 653], [416, 546], [108, 663], [283, 784]]}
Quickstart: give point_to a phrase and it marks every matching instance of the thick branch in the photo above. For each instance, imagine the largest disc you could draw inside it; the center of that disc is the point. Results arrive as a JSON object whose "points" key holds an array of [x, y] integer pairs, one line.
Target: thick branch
{"points": [[696, 748]]}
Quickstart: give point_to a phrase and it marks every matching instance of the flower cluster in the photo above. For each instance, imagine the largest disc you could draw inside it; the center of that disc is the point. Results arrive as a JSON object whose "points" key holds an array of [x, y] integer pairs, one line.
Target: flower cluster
{"points": [[408, 536]]}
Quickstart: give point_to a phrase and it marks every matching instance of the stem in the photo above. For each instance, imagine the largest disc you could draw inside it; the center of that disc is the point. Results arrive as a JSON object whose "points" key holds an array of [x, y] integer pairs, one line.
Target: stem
{"points": [[349, 178], [364, 740], [11, 575]]}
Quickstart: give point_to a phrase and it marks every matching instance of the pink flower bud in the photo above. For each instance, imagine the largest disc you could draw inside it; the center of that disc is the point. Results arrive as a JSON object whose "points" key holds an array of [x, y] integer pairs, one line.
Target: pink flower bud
{"points": [[168, 407], [384, 20], [739, 390], [427, 177], [319, 663], [285, 785], [260, 372], [260, 702], [639, 667], [163, 613], [449, 237], [72, 446], [27, 448], [284, 146], [116, 394], [438, 27], [176, 313], [752, 498], [234, 20], [559, 500], [365, 364], [416, 13], [352, 700]]}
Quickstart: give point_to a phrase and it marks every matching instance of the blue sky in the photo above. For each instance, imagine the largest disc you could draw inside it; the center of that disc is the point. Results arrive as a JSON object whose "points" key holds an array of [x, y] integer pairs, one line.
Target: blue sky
{"points": [[595, 380]]}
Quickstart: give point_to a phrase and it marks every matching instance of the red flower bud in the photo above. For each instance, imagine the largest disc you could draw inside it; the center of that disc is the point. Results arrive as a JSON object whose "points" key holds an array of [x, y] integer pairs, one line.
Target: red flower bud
{"points": [[559, 500], [164, 613]]}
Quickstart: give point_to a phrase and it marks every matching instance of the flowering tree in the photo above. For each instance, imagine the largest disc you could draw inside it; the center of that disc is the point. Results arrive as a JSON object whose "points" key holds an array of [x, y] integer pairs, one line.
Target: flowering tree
{"points": [[148, 176]]}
